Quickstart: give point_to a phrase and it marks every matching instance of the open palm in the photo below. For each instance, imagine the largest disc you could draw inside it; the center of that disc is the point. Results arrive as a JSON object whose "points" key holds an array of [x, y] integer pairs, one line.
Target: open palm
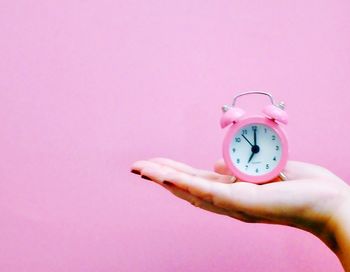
{"points": [[307, 200]]}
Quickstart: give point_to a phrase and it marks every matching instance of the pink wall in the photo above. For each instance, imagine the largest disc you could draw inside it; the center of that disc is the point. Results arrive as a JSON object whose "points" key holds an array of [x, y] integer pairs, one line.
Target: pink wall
{"points": [[87, 87]]}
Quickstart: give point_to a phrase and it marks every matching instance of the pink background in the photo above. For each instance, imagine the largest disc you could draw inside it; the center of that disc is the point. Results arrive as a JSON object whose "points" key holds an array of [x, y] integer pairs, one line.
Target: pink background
{"points": [[87, 87]]}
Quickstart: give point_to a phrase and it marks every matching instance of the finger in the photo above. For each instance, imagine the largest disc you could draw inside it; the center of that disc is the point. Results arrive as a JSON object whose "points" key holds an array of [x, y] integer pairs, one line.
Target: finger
{"points": [[150, 169], [239, 196], [137, 166], [197, 186], [206, 205], [181, 167], [194, 200], [156, 172]]}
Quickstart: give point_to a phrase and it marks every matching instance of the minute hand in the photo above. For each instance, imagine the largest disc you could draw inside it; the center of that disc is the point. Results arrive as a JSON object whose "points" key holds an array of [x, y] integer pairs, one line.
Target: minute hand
{"points": [[254, 136]]}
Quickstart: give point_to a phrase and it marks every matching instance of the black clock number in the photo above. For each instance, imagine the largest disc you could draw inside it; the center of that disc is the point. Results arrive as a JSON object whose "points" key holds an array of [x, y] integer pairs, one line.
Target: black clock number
{"points": [[277, 147], [274, 158], [238, 139], [267, 166], [273, 137], [238, 160], [233, 150], [244, 131], [257, 170]]}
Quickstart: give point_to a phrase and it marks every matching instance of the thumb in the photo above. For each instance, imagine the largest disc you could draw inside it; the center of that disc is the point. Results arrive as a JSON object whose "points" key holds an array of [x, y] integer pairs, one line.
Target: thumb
{"points": [[221, 168]]}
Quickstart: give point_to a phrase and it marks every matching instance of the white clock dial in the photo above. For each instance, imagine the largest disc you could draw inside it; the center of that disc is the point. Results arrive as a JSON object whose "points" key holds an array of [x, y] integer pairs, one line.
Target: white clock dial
{"points": [[256, 149]]}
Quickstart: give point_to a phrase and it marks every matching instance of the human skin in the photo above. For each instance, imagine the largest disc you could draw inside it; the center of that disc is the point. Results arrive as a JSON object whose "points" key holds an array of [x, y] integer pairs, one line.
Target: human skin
{"points": [[312, 198]]}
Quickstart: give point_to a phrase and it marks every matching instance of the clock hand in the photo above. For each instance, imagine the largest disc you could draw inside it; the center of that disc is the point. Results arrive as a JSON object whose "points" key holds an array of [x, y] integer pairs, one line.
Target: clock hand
{"points": [[247, 140], [255, 149], [251, 156], [254, 136]]}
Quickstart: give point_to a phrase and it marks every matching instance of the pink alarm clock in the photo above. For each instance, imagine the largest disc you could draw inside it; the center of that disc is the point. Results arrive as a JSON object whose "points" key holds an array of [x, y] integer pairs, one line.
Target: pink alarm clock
{"points": [[255, 148]]}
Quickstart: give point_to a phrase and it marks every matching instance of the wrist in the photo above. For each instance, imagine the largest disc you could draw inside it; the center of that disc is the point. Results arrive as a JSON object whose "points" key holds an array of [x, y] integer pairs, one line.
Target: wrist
{"points": [[338, 228], [328, 219], [341, 234]]}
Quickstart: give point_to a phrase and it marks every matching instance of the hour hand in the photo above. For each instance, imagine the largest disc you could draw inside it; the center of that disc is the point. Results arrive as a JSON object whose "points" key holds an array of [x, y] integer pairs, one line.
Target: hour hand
{"points": [[251, 156], [247, 139]]}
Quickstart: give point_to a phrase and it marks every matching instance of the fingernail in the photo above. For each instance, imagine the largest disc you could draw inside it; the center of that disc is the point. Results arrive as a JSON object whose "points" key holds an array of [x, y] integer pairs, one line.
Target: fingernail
{"points": [[145, 177], [167, 182], [135, 172]]}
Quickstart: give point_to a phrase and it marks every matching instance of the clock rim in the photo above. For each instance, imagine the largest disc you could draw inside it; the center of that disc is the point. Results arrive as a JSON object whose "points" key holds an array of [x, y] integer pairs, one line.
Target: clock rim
{"points": [[284, 154]]}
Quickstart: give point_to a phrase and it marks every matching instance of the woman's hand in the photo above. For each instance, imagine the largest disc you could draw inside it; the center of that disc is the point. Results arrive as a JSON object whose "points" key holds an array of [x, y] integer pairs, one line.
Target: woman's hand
{"points": [[311, 199]]}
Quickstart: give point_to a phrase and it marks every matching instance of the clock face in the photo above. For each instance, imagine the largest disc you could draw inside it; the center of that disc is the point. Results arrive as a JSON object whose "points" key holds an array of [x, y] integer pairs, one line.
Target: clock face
{"points": [[255, 149]]}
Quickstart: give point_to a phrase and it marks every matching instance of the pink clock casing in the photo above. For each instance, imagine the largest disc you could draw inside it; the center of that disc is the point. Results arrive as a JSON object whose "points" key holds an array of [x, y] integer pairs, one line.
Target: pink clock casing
{"points": [[255, 120]]}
